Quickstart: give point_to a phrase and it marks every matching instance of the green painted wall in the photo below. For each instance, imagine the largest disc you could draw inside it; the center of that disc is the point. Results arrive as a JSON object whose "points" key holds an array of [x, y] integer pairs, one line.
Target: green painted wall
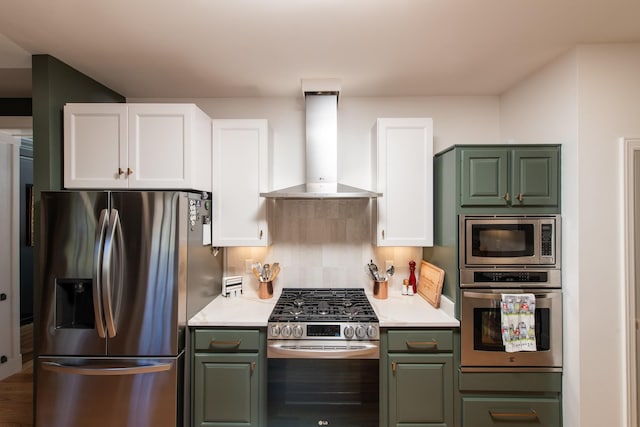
{"points": [[54, 83]]}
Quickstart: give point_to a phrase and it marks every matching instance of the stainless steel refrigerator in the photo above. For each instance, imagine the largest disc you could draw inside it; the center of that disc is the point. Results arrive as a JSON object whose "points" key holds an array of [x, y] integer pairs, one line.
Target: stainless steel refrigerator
{"points": [[120, 275]]}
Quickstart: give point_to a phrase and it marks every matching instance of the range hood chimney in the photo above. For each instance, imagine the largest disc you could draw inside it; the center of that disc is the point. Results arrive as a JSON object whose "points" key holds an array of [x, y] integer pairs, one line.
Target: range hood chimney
{"points": [[321, 105]]}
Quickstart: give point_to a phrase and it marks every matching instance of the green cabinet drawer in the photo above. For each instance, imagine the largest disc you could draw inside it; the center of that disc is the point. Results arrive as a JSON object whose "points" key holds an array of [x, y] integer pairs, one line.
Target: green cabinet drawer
{"points": [[226, 340], [510, 411], [421, 341]]}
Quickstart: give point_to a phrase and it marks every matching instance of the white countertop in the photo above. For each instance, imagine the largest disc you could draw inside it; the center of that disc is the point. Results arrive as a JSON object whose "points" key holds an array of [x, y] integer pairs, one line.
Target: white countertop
{"points": [[397, 310]]}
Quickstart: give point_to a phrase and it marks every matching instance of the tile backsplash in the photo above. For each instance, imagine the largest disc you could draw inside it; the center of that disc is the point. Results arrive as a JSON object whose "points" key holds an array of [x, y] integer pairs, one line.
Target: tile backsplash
{"points": [[322, 244]]}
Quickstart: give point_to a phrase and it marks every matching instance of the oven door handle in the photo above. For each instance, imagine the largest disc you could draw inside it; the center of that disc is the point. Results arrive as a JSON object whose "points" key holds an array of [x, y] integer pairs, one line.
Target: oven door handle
{"points": [[322, 350], [497, 295]]}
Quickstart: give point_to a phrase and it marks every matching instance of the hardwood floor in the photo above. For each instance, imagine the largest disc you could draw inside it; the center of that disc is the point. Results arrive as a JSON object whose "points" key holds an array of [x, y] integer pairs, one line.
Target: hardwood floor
{"points": [[16, 392], [16, 398]]}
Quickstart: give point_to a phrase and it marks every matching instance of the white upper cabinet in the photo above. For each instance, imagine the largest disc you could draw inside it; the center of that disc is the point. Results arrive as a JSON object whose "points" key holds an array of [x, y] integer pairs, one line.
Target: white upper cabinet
{"points": [[240, 174], [404, 158], [137, 146]]}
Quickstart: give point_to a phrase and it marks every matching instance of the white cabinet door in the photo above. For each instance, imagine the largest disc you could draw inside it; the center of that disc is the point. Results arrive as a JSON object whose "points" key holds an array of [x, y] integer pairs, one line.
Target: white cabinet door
{"points": [[95, 146], [137, 146], [167, 143], [240, 162], [405, 179]]}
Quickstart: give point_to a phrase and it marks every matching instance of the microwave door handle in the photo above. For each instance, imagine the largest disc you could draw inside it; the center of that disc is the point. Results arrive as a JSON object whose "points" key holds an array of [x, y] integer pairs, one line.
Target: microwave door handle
{"points": [[98, 254], [113, 232]]}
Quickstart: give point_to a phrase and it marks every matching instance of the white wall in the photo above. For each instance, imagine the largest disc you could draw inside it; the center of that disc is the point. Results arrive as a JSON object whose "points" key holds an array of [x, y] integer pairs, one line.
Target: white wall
{"points": [[331, 241], [586, 100]]}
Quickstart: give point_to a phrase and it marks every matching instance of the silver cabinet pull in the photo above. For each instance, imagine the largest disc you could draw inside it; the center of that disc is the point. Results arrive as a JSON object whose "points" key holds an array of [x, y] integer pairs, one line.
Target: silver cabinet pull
{"points": [[519, 197], [220, 345], [500, 415], [422, 345]]}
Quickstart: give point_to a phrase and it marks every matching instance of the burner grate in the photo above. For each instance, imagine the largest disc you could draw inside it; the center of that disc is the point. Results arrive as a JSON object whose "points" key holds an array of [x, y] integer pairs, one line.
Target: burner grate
{"points": [[323, 305]]}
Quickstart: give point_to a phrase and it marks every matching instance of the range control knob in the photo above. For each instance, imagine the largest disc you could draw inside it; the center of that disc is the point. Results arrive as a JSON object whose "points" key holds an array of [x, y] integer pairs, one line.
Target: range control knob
{"points": [[297, 331], [372, 332], [274, 331], [286, 331], [360, 332], [348, 331]]}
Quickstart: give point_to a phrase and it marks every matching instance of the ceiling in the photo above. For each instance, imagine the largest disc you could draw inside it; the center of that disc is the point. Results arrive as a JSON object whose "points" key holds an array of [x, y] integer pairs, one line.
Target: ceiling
{"points": [[256, 48]]}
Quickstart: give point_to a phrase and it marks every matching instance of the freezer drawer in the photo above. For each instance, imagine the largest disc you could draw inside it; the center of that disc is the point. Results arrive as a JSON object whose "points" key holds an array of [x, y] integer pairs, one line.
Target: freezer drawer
{"points": [[108, 392]]}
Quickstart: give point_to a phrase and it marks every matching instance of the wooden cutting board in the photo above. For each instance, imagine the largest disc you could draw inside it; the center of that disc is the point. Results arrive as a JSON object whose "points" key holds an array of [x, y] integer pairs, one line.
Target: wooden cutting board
{"points": [[430, 283]]}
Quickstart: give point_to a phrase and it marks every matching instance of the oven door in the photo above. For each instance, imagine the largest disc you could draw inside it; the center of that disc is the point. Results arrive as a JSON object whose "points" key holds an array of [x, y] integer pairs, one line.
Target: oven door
{"points": [[313, 384], [480, 329]]}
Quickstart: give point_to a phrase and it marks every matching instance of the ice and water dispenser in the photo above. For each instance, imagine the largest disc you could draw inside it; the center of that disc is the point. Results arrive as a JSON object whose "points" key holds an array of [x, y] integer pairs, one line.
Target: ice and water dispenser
{"points": [[74, 304]]}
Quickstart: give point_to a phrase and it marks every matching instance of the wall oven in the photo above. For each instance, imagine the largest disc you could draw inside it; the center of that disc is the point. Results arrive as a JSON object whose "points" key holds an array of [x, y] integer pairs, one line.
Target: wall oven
{"points": [[481, 332], [323, 359], [502, 255]]}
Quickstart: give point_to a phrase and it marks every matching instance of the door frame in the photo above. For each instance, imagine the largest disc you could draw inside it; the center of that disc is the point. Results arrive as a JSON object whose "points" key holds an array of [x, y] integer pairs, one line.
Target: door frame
{"points": [[630, 146]]}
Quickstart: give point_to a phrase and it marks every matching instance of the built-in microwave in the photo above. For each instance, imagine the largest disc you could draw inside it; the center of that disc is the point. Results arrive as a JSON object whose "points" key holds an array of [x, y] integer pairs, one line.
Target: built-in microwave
{"points": [[510, 240]]}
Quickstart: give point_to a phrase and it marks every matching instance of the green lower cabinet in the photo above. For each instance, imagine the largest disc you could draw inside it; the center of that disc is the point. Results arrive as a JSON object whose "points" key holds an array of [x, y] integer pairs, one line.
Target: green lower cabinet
{"points": [[420, 390], [510, 411], [226, 390], [228, 378]]}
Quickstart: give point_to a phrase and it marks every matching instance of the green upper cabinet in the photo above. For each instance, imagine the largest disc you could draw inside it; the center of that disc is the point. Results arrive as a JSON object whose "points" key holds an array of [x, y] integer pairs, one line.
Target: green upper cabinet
{"points": [[502, 179]]}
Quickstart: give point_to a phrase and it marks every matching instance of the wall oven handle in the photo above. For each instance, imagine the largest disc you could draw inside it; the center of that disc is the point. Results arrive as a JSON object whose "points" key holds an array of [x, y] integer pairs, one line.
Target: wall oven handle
{"points": [[532, 415], [98, 252], [422, 345], [102, 370], [496, 295]]}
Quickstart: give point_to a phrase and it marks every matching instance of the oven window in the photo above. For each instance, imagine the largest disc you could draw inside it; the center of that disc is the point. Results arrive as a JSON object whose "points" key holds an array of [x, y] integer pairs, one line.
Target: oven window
{"points": [[487, 327], [308, 392], [502, 240]]}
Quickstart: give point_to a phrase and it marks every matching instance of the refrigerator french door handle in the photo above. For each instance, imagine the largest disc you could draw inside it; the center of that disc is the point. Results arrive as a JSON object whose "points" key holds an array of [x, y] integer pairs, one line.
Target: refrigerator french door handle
{"points": [[95, 370], [113, 232], [98, 252]]}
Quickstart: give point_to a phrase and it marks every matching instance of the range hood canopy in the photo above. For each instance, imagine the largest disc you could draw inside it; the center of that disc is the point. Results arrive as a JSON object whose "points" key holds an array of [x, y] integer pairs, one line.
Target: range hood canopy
{"points": [[321, 104]]}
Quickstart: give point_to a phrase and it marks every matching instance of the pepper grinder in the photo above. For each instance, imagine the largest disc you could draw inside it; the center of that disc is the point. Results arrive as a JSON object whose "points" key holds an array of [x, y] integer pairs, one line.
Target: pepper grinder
{"points": [[412, 276]]}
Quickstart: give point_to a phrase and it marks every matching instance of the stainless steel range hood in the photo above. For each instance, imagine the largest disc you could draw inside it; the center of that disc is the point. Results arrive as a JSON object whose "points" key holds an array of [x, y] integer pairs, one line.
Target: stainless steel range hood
{"points": [[321, 153]]}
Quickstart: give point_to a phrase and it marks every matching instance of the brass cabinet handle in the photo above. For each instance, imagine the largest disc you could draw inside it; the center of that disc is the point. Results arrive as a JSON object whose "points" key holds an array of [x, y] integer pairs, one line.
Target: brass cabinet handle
{"points": [[394, 366], [422, 345], [519, 197], [260, 235], [531, 415], [120, 171], [253, 367], [506, 197], [129, 171], [224, 345], [382, 234]]}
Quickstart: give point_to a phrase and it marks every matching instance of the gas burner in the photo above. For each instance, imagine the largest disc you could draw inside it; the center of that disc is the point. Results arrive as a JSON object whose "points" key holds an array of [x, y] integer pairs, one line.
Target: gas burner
{"points": [[298, 302], [323, 307], [351, 311]]}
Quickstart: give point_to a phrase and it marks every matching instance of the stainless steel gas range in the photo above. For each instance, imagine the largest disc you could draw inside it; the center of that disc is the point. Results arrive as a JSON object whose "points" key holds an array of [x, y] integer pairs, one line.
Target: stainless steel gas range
{"points": [[323, 350]]}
